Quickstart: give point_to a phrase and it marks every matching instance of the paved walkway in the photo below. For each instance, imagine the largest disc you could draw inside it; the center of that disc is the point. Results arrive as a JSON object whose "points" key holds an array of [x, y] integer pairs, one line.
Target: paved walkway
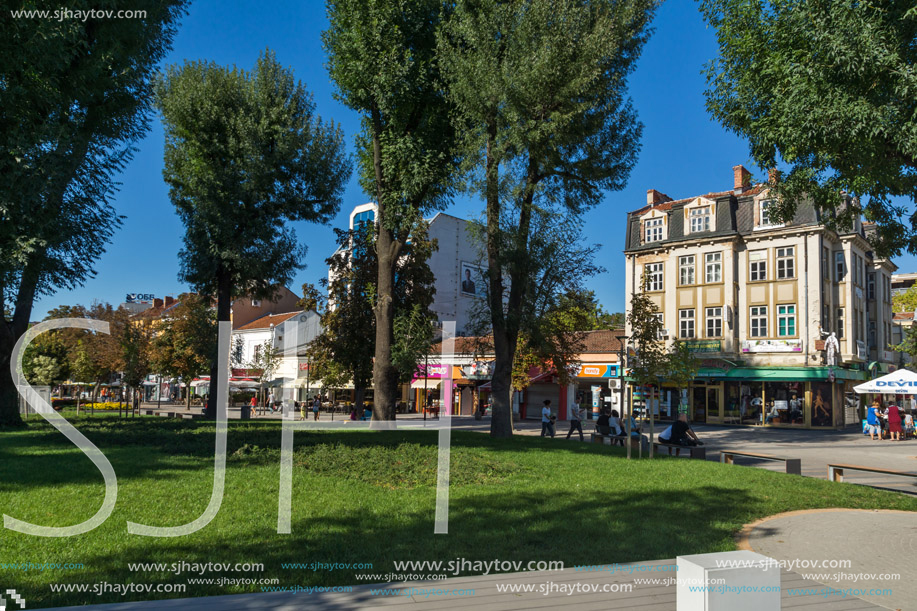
{"points": [[875, 542], [480, 593]]}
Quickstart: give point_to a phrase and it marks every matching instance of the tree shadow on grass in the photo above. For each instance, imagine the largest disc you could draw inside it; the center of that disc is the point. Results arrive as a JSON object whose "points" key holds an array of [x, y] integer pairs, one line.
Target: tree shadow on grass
{"points": [[591, 527]]}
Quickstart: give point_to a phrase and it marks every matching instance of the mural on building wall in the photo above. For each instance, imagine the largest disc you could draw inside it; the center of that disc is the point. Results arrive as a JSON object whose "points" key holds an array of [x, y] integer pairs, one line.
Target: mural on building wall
{"points": [[472, 278]]}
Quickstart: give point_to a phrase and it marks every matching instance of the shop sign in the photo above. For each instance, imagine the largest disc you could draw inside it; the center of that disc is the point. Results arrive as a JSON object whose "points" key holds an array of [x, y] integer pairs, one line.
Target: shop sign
{"points": [[139, 298], [432, 371], [304, 366], [772, 345], [861, 349], [597, 371], [479, 370], [704, 345]]}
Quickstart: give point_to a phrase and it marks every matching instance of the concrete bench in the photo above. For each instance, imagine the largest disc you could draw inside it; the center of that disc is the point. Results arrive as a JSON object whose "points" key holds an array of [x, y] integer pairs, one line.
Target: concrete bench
{"points": [[793, 465], [698, 452], [836, 471]]}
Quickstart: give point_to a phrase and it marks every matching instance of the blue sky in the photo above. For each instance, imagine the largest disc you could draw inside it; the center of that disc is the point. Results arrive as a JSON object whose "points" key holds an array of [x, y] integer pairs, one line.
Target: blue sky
{"points": [[684, 152]]}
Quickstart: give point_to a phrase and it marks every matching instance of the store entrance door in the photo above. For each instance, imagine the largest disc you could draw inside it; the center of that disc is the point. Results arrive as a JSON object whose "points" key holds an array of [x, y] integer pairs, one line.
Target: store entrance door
{"points": [[706, 403], [699, 403]]}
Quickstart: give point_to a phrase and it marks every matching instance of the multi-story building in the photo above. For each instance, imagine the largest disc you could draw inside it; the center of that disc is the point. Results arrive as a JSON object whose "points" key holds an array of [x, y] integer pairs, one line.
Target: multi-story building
{"points": [[457, 265], [759, 301]]}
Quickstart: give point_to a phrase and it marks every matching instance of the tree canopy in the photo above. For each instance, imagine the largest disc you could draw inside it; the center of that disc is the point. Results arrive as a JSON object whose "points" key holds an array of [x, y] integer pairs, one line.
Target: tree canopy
{"points": [[539, 89], [74, 99], [827, 87]]}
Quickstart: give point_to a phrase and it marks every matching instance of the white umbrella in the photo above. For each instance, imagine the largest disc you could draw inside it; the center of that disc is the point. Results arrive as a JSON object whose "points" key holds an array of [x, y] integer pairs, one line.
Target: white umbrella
{"points": [[901, 382]]}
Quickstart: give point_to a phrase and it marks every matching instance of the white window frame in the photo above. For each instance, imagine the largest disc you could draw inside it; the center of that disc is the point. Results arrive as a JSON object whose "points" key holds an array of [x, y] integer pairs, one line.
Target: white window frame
{"points": [[686, 327], [871, 286], [786, 316], [714, 318], [786, 262], [757, 314], [661, 319], [653, 230], [839, 323], [840, 266], [654, 274], [713, 264], [764, 220], [699, 218], [686, 270], [757, 270]]}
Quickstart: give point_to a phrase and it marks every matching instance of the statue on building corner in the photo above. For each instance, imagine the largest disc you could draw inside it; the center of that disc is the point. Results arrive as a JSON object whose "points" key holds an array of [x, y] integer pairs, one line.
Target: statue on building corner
{"points": [[832, 346]]}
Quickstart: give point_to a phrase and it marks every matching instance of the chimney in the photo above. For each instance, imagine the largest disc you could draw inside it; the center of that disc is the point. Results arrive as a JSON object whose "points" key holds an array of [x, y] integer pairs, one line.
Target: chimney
{"points": [[773, 175], [741, 179], [169, 300], [654, 197], [157, 303]]}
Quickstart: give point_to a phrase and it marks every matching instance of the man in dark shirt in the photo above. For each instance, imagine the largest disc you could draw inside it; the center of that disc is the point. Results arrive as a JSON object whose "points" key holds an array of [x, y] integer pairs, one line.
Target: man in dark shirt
{"points": [[682, 434]]}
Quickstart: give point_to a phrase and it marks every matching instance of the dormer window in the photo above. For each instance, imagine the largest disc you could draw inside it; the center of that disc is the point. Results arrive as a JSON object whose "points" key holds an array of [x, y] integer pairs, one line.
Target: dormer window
{"points": [[652, 230], [700, 219], [256, 303], [765, 214]]}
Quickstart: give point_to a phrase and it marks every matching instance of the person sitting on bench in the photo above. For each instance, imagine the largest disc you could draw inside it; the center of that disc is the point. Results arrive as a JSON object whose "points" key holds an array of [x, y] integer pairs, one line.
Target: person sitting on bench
{"points": [[666, 435], [682, 435]]}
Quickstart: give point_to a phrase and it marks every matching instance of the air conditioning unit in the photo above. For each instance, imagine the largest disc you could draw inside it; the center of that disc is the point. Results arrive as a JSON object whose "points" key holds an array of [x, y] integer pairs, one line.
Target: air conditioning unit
{"points": [[664, 333], [614, 383]]}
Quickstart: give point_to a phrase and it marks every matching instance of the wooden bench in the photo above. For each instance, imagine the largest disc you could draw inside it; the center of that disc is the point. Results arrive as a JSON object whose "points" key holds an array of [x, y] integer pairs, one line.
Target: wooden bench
{"points": [[836, 471], [793, 465], [698, 452], [612, 440]]}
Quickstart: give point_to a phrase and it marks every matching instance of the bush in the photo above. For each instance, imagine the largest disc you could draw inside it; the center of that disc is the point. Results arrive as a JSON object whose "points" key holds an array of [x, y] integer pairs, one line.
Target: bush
{"points": [[105, 405]]}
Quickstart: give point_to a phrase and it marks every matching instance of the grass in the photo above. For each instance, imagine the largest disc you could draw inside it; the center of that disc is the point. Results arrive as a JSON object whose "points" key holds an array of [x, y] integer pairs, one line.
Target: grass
{"points": [[367, 497]]}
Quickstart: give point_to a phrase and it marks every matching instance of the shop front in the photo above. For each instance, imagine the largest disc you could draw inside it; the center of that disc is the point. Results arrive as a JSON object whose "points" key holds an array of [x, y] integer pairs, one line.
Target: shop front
{"points": [[596, 387], [793, 397]]}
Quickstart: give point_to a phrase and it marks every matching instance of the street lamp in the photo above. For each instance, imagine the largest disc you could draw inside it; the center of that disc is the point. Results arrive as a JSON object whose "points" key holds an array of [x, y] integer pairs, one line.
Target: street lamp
{"points": [[621, 339]]}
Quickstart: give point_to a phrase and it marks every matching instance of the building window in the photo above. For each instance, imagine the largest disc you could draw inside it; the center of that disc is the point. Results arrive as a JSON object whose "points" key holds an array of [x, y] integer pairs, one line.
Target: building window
{"points": [[840, 266], [700, 219], [785, 262], [766, 211], [873, 331], [715, 322], [825, 317], [786, 320], [686, 269], [871, 286], [714, 263], [686, 324], [653, 228], [840, 323], [759, 321], [758, 265], [825, 267], [653, 275], [663, 332], [256, 303]]}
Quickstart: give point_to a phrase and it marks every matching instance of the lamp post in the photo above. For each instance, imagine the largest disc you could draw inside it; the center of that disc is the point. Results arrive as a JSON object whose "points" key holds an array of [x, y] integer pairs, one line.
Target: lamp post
{"points": [[621, 339]]}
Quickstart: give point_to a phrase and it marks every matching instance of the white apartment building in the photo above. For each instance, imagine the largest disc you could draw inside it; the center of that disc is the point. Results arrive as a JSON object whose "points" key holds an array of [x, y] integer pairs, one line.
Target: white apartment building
{"points": [[757, 302]]}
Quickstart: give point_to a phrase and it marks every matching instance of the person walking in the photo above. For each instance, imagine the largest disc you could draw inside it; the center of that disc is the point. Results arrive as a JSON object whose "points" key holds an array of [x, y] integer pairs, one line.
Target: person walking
{"points": [[253, 406], [893, 417], [316, 405], [576, 420], [547, 422]]}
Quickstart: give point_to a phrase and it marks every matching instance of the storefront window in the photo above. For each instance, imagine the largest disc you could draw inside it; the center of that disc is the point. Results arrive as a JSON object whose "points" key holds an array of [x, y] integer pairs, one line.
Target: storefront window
{"points": [[822, 405], [783, 403], [750, 402]]}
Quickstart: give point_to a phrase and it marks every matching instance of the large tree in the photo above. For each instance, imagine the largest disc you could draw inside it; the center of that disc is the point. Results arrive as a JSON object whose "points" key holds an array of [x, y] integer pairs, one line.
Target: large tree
{"points": [[540, 90], [382, 58], [827, 87], [342, 354], [649, 364], [74, 98], [245, 153]]}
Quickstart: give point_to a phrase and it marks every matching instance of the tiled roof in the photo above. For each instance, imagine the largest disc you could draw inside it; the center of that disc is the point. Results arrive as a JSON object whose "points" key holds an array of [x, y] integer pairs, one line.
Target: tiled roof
{"points": [[668, 205], [267, 320], [903, 316], [603, 340]]}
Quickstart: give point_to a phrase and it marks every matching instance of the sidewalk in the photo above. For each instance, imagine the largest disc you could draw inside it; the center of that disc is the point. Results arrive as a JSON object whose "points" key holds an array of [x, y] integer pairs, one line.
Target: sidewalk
{"points": [[481, 593]]}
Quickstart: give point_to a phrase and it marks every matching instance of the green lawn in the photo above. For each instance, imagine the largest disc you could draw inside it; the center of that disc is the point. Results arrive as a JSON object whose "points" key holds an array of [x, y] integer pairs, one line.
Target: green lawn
{"points": [[368, 497]]}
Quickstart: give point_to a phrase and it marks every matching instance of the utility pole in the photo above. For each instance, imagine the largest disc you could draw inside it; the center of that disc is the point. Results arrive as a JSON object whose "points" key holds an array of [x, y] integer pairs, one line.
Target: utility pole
{"points": [[621, 339]]}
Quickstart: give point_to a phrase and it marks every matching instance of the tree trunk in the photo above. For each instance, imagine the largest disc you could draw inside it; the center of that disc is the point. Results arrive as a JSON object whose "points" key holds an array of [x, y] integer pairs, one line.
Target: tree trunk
{"points": [[358, 394], [385, 380], [187, 382], [224, 304]]}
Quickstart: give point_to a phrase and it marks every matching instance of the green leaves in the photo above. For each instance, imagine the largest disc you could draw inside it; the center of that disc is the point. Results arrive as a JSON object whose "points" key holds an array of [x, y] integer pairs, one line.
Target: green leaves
{"points": [[827, 87], [245, 153]]}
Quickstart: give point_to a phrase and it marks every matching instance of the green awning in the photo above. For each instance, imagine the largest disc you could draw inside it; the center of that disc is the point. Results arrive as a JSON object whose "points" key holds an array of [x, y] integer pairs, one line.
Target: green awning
{"points": [[765, 374]]}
